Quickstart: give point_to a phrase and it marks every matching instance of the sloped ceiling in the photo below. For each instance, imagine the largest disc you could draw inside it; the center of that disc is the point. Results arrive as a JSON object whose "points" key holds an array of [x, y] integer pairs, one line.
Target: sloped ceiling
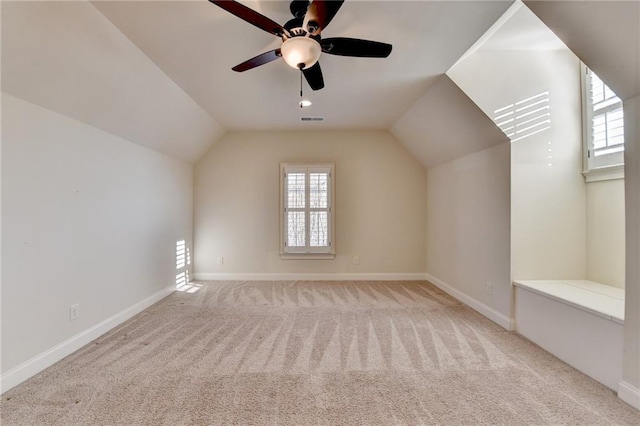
{"points": [[197, 43], [605, 35], [444, 124], [65, 56], [520, 29], [158, 73]]}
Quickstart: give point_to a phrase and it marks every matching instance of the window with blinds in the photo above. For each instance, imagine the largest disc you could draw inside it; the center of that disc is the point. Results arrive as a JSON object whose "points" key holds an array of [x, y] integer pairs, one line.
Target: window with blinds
{"points": [[603, 122], [307, 209]]}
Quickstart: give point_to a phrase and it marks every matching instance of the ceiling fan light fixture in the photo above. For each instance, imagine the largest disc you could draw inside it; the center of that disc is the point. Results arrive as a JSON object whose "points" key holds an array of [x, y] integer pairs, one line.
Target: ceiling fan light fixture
{"points": [[300, 50]]}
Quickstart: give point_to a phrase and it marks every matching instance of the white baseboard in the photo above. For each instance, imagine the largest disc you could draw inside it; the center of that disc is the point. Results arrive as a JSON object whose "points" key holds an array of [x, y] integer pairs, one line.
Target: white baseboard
{"points": [[629, 394], [495, 316], [207, 276], [30, 368]]}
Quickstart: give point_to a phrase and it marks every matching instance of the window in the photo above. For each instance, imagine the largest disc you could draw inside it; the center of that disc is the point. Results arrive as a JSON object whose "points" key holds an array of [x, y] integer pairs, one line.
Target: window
{"points": [[603, 122], [306, 213]]}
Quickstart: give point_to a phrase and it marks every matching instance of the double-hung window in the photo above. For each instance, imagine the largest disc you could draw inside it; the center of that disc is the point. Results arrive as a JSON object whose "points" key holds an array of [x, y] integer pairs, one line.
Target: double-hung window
{"points": [[603, 119], [306, 210]]}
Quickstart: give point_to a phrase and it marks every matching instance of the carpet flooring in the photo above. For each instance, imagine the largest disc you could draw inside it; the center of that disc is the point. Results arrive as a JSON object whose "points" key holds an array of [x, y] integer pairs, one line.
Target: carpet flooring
{"points": [[311, 353]]}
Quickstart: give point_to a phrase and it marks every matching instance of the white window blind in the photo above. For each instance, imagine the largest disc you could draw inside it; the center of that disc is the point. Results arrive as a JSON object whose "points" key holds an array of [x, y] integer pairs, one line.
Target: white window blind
{"points": [[604, 123], [307, 208]]}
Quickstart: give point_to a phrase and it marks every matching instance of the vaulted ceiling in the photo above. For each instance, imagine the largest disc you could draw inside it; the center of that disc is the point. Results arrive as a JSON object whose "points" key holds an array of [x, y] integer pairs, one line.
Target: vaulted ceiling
{"points": [[197, 43], [158, 73]]}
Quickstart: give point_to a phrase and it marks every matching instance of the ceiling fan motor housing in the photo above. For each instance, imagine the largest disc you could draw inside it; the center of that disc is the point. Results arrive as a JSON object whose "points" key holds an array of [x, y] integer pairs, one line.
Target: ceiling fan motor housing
{"points": [[299, 8], [295, 28]]}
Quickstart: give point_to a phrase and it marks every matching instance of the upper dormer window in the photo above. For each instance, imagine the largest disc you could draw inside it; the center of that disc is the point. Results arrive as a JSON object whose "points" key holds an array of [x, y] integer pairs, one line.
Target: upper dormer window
{"points": [[603, 119]]}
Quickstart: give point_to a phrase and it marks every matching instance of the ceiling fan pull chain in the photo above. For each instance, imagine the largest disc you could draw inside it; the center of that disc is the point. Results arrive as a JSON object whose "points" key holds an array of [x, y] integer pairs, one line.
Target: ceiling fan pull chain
{"points": [[303, 102], [300, 84]]}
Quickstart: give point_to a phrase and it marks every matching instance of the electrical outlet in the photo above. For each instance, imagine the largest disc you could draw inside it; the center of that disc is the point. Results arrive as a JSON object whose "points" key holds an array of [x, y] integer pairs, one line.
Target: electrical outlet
{"points": [[489, 288], [356, 260], [74, 312], [220, 260]]}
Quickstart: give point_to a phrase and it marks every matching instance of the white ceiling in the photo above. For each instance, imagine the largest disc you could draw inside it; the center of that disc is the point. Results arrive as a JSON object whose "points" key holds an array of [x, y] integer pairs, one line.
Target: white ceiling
{"points": [[523, 30], [66, 57], [159, 73], [605, 35], [196, 43], [444, 124]]}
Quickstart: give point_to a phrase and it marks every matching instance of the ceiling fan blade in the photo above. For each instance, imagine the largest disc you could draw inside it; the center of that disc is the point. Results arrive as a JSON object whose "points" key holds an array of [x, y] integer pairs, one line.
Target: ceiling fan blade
{"points": [[319, 14], [263, 58], [355, 47], [314, 76], [251, 16]]}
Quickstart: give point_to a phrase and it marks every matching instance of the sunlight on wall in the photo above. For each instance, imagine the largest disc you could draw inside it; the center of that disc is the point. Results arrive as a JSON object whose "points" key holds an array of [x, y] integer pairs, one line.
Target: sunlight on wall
{"points": [[183, 258], [181, 279], [181, 254], [524, 118]]}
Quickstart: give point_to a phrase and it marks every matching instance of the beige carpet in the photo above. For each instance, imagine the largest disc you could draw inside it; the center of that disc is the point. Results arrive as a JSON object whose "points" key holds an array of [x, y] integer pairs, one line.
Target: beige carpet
{"points": [[311, 353]]}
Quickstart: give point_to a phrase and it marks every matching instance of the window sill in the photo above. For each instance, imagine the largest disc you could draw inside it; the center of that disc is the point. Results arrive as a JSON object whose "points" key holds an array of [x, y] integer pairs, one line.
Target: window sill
{"points": [[604, 173], [307, 256]]}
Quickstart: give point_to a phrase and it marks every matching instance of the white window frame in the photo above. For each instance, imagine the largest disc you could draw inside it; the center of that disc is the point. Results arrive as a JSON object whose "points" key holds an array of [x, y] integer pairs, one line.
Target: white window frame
{"points": [[307, 252], [603, 167]]}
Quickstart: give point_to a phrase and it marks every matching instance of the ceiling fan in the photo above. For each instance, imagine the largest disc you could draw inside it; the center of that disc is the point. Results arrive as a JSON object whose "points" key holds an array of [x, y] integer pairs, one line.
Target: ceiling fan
{"points": [[302, 42]]}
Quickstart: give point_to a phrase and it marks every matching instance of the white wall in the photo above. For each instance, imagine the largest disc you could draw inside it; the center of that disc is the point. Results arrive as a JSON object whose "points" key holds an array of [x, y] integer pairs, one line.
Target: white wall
{"points": [[380, 203], [547, 202], [605, 232], [468, 245], [615, 57], [631, 365], [89, 219]]}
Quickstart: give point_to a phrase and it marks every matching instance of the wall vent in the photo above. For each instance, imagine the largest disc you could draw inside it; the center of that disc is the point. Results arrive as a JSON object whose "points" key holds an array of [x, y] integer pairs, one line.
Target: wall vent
{"points": [[309, 119]]}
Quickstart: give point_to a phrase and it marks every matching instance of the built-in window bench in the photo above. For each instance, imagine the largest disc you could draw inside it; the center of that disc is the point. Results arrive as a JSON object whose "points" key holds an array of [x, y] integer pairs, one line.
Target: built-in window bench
{"points": [[580, 322]]}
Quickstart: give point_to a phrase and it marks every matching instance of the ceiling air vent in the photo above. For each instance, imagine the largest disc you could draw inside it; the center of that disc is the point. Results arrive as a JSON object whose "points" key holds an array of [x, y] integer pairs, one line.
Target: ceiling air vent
{"points": [[310, 119]]}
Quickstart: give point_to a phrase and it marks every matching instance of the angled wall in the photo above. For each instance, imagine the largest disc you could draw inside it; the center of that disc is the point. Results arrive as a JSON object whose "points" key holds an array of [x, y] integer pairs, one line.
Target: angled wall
{"points": [[88, 219], [67, 57]]}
